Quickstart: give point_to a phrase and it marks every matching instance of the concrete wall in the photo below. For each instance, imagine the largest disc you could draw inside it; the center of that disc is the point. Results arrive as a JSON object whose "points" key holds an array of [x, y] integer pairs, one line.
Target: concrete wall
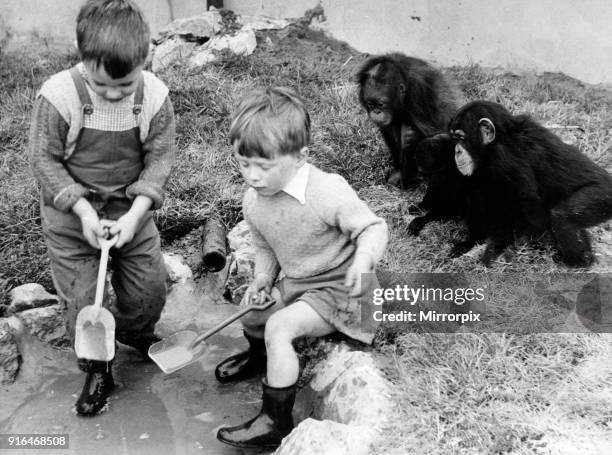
{"points": [[574, 37], [571, 36]]}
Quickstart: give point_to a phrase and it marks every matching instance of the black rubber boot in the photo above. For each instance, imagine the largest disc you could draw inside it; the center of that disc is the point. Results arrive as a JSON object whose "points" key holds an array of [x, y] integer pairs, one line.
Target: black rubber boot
{"points": [[98, 386], [270, 426], [141, 343], [244, 365]]}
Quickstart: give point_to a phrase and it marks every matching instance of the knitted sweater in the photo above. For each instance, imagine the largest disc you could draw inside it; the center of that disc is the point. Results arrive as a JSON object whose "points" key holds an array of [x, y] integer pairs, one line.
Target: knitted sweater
{"points": [[57, 120], [312, 238]]}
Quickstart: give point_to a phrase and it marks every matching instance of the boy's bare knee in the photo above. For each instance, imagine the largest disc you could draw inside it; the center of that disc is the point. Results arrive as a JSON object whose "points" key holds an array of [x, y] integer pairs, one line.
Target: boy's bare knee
{"points": [[278, 328]]}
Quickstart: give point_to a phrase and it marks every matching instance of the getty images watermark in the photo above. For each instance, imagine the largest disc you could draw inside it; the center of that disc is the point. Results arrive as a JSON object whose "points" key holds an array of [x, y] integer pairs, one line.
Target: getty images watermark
{"points": [[489, 302]]}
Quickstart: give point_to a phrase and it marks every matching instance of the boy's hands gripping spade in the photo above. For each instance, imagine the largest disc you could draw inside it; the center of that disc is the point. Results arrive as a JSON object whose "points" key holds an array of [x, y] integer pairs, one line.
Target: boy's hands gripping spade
{"points": [[258, 291]]}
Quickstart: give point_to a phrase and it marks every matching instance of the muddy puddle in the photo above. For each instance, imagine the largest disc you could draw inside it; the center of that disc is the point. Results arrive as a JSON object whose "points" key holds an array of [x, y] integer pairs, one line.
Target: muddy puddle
{"points": [[149, 412]]}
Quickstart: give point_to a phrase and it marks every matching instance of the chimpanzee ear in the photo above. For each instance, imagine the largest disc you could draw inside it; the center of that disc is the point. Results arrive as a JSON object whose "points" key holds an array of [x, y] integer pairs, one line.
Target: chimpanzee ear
{"points": [[487, 130]]}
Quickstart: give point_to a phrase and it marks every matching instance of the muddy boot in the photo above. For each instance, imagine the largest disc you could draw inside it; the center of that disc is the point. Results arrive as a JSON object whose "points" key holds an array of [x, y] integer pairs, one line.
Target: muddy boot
{"points": [[141, 343], [271, 425], [98, 386], [244, 365]]}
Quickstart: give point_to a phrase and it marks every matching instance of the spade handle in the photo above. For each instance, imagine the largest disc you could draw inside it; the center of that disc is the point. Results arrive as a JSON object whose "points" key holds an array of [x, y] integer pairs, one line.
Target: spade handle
{"points": [[231, 319]]}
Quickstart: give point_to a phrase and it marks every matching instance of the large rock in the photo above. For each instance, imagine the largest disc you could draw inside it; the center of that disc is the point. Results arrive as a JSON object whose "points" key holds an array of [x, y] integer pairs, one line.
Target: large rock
{"points": [[28, 296], [170, 51], [242, 43], [350, 389], [9, 354], [46, 324], [315, 437], [178, 271], [242, 261], [197, 28]]}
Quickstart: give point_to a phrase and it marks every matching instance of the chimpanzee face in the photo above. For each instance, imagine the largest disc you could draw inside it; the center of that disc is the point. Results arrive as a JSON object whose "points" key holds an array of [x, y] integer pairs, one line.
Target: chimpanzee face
{"points": [[377, 101], [463, 159]]}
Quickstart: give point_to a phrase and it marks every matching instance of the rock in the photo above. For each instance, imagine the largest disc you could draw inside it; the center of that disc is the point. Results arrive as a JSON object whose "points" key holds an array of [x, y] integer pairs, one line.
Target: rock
{"points": [[242, 261], [197, 28], [170, 51], [46, 324], [262, 23], [178, 271], [28, 296], [351, 390], [314, 437], [242, 43], [9, 355]]}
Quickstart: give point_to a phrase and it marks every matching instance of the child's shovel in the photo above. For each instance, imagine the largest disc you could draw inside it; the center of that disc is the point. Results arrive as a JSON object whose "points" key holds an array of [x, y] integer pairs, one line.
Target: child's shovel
{"points": [[182, 348], [95, 325]]}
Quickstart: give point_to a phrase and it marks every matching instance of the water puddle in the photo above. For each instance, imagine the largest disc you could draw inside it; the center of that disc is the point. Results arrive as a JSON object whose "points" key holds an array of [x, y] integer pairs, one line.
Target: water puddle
{"points": [[149, 412]]}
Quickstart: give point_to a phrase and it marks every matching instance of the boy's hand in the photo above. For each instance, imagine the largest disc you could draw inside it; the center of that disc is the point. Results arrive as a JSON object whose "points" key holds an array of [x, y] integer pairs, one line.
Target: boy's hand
{"points": [[362, 263], [125, 228], [90, 223], [257, 290]]}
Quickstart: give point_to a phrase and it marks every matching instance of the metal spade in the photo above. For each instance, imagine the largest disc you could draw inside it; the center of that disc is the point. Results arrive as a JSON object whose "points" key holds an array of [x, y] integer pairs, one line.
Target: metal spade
{"points": [[182, 348], [95, 325]]}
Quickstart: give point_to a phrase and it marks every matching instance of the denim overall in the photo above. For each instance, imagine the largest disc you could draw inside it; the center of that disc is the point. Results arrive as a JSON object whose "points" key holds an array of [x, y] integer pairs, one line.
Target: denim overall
{"points": [[106, 162]]}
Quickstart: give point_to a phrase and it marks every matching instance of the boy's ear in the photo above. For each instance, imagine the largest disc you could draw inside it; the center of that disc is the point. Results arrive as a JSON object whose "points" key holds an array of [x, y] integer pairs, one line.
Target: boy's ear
{"points": [[303, 156]]}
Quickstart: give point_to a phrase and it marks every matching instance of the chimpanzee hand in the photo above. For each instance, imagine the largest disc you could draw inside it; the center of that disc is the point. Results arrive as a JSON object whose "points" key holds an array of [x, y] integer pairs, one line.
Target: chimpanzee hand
{"points": [[417, 225], [394, 178], [409, 136], [460, 248]]}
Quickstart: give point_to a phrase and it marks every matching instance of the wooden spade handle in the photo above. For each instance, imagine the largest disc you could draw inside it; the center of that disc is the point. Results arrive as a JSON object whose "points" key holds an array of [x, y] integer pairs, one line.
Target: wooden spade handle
{"points": [[231, 319], [105, 245]]}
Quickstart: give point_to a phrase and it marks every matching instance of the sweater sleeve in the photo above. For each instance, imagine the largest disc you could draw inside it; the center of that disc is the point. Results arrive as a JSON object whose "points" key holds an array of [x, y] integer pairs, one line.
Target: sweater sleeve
{"points": [[46, 144], [265, 259], [159, 155], [354, 218]]}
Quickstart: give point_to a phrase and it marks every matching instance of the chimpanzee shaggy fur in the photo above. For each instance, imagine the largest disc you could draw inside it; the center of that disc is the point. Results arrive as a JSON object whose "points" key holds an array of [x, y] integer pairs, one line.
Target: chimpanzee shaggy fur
{"points": [[408, 100], [528, 180]]}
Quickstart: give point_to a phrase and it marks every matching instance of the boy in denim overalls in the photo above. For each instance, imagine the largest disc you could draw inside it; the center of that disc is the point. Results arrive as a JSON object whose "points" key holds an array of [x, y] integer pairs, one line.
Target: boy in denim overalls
{"points": [[101, 146]]}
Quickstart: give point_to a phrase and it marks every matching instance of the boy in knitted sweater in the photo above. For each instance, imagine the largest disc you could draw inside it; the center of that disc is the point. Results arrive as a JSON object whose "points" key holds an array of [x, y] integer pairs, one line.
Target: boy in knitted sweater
{"points": [[101, 146], [313, 227]]}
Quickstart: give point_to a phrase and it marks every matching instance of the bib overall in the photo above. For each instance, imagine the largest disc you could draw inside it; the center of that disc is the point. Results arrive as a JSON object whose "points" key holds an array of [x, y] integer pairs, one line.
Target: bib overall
{"points": [[106, 161]]}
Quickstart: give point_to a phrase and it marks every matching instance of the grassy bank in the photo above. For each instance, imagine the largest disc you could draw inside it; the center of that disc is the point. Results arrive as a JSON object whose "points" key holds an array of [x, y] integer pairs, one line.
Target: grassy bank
{"points": [[467, 393]]}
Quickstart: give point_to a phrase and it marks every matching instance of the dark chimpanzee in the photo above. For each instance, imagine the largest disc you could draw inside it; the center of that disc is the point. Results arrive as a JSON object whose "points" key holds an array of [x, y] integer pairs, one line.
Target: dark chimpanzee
{"points": [[446, 195], [408, 100], [530, 181]]}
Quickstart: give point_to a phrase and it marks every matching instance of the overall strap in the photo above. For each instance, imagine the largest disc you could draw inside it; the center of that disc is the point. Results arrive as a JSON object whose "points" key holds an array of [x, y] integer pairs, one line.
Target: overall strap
{"points": [[138, 96], [81, 88]]}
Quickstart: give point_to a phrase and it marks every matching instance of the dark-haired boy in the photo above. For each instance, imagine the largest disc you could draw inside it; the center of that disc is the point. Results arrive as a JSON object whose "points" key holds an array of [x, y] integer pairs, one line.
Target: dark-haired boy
{"points": [[101, 146]]}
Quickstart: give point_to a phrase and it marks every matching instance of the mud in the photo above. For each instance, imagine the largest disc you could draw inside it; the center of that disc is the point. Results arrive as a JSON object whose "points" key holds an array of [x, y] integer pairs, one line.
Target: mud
{"points": [[149, 412]]}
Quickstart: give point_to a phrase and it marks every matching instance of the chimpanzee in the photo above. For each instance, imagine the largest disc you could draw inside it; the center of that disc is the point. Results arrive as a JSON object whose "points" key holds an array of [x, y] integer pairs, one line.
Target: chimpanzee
{"points": [[530, 181], [446, 195], [408, 100]]}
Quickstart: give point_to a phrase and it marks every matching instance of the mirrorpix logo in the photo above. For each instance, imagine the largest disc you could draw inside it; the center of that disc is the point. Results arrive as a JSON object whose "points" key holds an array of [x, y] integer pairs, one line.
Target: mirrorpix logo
{"points": [[423, 303]]}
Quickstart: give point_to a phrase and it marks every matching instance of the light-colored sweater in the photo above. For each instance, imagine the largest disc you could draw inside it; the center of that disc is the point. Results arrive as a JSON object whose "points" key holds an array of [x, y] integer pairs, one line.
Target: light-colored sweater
{"points": [[314, 237]]}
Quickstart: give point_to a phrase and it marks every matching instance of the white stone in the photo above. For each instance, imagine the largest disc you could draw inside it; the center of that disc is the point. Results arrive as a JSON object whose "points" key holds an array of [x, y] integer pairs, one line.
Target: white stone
{"points": [[242, 43], [315, 437], [205, 25], [46, 324], [262, 22], [169, 52], [28, 296], [353, 390], [242, 260], [178, 271], [9, 356]]}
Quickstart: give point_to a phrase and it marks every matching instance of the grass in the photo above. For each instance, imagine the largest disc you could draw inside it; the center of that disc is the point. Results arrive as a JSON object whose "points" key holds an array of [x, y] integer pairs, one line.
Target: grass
{"points": [[456, 393]]}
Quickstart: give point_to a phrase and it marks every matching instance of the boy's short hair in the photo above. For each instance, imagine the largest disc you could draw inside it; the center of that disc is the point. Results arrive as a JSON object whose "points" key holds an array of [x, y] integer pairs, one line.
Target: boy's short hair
{"points": [[113, 33], [270, 121]]}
